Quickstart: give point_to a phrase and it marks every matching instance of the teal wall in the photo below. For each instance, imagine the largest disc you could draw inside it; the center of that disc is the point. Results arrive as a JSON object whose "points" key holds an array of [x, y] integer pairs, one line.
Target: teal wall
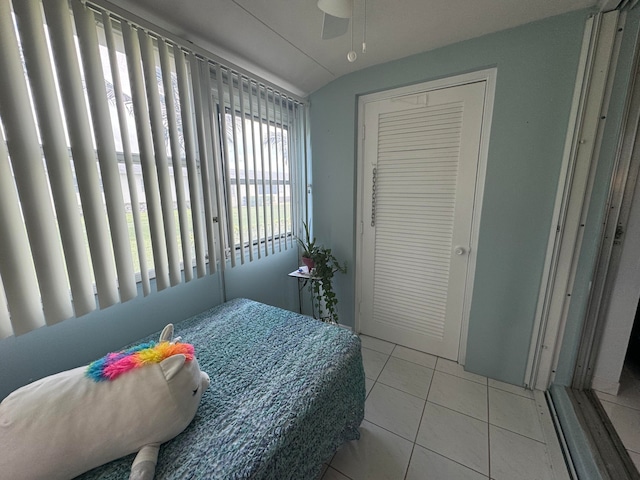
{"points": [[536, 66], [78, 341], [593, 227]]}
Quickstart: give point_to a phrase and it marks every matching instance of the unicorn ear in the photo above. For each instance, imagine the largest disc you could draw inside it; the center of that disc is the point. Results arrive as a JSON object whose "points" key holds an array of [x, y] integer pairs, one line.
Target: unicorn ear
{"points": [[167, 333], [172, 365]]}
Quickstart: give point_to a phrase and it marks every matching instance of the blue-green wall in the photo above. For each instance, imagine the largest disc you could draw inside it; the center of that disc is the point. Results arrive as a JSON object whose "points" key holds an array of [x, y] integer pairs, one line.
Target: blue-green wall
{"points": [[536, 66], [78, 341], [593, 227]]}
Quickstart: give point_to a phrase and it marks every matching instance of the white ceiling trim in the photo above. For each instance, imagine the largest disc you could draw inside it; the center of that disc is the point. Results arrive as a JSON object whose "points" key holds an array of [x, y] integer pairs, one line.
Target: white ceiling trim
{"points": [[280, 40]]}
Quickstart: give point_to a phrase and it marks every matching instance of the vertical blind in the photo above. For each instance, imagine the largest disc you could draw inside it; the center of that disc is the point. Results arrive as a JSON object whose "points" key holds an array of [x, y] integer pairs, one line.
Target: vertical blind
{"points": [[126, 157]]}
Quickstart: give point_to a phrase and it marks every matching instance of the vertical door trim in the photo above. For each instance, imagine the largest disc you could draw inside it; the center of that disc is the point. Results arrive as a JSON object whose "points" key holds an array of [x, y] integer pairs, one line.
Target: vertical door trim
{"points": [[584, 136], [622, 188], [488, 76]]}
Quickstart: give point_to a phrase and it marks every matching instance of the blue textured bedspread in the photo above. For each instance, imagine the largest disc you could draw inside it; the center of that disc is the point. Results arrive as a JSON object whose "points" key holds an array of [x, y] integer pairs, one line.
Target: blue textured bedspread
{"points": [[286, 391]]}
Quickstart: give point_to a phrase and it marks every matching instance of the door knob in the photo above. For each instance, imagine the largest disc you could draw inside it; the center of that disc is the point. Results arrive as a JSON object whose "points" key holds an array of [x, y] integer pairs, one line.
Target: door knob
{"points": [[459, 250]]}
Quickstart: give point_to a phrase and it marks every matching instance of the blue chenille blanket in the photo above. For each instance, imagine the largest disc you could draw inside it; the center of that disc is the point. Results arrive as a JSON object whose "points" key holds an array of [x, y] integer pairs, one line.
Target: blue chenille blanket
{"points": [[286, 391]]}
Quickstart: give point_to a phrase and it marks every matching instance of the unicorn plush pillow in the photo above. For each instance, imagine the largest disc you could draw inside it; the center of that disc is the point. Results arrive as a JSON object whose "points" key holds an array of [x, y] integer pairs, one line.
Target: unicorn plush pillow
{"points": [[131, 401]]}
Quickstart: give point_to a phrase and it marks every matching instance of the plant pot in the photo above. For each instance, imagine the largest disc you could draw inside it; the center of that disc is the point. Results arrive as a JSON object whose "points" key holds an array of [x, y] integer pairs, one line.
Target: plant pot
{"points": [[309, 263]]}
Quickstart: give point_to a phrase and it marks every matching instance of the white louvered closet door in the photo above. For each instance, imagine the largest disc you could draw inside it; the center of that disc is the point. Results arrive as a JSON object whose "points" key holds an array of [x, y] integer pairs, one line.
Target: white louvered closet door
{"points": [[420, 164]]}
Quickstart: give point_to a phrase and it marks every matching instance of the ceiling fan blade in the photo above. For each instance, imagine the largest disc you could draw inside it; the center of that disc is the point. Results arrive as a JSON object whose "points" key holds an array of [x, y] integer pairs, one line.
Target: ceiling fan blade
{"points": [[333, 27]]}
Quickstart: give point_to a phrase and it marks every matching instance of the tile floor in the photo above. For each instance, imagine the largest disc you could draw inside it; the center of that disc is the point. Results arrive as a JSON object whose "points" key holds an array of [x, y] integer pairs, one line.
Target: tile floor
{"points": [[426, 418], [624, 411]]}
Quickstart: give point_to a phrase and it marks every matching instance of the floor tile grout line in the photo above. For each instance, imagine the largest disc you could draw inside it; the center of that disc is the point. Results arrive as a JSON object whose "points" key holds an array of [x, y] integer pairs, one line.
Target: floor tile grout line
{"points": [[456, 411], [341, 473], [415, 363], [513, 431], [390, 431], [383, 367], [400, 390], [619, 404], [415, 439], [385, 353], [380, 372], [331, 466], [412, 363], [463, 378], [512, 393], [395, 345], [519, 434], [397, 389], [413, 448], [424, 407], [486, 379], [452, 460]]}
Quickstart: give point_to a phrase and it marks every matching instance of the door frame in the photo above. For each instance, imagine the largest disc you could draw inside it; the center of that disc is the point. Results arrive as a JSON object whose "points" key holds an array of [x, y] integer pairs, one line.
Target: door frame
{"points": [[487, 75], [624, 189], [594, 82]]}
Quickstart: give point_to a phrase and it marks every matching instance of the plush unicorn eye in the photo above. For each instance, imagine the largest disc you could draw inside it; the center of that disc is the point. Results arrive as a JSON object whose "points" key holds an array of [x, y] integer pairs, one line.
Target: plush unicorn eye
{"points": [[196, 390]]}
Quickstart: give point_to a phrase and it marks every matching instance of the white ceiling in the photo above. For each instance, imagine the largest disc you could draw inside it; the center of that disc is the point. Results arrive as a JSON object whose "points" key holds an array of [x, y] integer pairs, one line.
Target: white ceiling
{"points": [[280, 39]]}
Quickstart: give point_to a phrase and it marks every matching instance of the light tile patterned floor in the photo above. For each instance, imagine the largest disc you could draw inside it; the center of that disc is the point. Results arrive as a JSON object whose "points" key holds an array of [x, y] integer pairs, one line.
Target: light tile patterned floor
{"points": [[426, 418], [624, 411]]}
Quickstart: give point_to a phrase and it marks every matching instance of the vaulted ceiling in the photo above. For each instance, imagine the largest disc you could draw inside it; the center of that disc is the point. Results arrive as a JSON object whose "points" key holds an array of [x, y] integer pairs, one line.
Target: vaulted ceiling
{"points": [[281, 39]]}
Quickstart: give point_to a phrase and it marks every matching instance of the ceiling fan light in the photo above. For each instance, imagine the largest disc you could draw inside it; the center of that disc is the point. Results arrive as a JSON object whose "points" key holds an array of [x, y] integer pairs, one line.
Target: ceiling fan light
{"points": [[337, 8]]}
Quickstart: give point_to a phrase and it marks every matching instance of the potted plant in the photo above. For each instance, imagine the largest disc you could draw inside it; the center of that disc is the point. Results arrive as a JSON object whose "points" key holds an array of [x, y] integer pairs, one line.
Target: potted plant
{"points": [[322, 266], [308, 248]]}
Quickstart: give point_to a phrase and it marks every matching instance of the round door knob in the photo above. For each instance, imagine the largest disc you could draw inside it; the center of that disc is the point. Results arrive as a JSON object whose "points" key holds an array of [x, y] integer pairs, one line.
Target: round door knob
{"points": [[459, 250]]}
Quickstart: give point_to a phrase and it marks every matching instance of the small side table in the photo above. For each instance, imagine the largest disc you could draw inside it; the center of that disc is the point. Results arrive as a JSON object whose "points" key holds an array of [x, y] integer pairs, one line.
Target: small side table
{"points": [[304, 277]]}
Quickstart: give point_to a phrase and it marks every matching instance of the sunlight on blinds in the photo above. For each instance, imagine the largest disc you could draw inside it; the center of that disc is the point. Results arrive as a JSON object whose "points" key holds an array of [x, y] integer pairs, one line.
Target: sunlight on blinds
{"points": [[128, 163]]}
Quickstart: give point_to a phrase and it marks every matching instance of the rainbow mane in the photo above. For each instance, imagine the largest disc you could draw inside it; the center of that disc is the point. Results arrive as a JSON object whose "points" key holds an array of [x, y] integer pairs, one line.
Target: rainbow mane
{"points": [[112, 365]]}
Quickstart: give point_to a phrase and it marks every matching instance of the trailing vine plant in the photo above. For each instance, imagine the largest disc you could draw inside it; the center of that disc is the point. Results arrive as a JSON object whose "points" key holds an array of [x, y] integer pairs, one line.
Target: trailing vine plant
{"points": [[325, 265]]}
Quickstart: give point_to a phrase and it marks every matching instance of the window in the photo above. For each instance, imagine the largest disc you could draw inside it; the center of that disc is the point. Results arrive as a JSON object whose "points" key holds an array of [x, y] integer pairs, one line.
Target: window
{"points": [[255, 133], [114, 169]]}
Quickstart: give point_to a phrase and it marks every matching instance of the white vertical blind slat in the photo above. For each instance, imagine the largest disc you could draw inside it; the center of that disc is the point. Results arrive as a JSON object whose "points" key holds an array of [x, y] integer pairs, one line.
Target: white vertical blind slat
{"points": [[281, 178], [30, 177], [293, 171], [263, 172], [247, 177], [232, 109], [16, 264], [195, 195], [255, 164], [227, 174], [290, 153], [149, 171], [212, 203], [172, 121], [269, 137], [94, 79], [215, 168], [201, 93], [126, 150], [70, 81], [45, 97], [151, 79], [5, 321], [298, 172]]}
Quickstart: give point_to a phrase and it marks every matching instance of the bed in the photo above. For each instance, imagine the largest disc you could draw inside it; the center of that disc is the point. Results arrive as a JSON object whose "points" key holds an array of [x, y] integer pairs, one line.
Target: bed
{"points": [[286, 391]]}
